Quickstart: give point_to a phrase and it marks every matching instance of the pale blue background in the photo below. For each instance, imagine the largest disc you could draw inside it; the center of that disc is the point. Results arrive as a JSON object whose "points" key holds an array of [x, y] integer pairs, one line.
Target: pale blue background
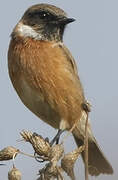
{"points": [[93, 40]]}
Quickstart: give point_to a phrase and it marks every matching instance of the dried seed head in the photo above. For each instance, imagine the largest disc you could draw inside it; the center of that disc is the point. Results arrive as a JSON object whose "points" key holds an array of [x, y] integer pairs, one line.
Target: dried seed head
{"points": [[56, 153], [40, 145], [27, 135], [8, 153], [50, 172], [14, 174], [68, 161]]}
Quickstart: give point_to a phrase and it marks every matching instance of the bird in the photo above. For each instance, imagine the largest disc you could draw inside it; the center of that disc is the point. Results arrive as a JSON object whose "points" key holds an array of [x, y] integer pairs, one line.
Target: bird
{"points": [[45, 76]]}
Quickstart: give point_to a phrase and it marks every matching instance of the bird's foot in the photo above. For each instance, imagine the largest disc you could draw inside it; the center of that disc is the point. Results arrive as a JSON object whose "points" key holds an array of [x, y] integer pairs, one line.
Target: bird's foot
{"points": [[40, 159], [57, 137]]}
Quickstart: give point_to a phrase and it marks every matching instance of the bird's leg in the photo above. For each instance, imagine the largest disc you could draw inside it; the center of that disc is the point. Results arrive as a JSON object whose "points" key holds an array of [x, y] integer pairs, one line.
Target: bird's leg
{"points": [[56, 138], [47, 139]]}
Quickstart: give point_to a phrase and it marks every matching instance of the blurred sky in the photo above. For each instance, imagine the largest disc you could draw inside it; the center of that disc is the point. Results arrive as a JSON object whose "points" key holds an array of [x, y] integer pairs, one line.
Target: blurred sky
{"points": [[93, 41]]}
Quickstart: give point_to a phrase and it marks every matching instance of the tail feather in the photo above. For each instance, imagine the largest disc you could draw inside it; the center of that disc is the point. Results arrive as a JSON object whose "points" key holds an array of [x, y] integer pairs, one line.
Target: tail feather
{"points": [[97, 162]]}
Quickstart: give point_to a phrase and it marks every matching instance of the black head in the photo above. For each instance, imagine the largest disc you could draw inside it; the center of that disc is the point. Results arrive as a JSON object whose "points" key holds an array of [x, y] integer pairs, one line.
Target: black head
{"points": [[47, 20]]}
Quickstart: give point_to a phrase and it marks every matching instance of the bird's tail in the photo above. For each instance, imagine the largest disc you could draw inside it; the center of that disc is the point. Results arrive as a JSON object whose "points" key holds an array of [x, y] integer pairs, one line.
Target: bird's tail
{"points": [[97, 162]]}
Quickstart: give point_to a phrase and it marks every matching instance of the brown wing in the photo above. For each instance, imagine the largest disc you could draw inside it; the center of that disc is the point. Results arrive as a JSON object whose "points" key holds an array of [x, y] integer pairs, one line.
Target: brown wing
{"points": [[70, 58]]}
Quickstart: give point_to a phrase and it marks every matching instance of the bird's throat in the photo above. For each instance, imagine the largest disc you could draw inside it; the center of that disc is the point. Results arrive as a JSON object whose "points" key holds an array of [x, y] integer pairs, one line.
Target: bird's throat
{"points": [[46, 33]]}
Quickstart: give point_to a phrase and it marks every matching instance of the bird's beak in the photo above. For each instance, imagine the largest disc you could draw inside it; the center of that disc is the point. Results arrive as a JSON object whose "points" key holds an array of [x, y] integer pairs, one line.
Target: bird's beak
{"points": [[66, 20]]}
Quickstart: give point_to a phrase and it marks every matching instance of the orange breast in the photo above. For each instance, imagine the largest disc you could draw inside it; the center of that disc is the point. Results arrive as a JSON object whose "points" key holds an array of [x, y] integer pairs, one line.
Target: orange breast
{"points": [[45, 80]]}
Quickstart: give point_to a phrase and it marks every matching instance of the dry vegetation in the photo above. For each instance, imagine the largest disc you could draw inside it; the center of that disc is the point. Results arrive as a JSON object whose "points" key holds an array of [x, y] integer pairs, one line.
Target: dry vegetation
{"points": [[43, 151]]}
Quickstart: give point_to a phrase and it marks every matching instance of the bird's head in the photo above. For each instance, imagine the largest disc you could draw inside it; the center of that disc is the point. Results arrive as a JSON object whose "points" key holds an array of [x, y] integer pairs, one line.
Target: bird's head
{"points": [[43, 22]]}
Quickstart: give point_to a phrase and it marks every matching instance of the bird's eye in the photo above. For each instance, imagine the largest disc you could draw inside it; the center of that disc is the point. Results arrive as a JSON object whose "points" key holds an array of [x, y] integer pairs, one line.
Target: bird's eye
{"points": [[46, 16], [43, 15]]}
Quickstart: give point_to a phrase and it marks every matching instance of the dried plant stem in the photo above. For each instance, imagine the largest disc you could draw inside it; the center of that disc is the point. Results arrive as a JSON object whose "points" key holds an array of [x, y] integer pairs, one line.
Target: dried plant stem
{"points": [[14, 158], [86, 148], [29, 155], [60, 177]]}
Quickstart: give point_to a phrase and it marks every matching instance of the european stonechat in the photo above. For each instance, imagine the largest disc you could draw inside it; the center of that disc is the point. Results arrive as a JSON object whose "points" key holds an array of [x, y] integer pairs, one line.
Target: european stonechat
{"points": [[44, 75]]}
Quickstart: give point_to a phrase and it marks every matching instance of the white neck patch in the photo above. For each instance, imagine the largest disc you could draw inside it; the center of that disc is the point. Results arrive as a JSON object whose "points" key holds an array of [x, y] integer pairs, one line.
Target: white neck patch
{"points": [[27, 31]]}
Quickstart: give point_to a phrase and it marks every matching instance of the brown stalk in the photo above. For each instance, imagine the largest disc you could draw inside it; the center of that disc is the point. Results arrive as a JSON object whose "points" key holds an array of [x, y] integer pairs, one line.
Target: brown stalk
{"points": [[86, 149]]}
